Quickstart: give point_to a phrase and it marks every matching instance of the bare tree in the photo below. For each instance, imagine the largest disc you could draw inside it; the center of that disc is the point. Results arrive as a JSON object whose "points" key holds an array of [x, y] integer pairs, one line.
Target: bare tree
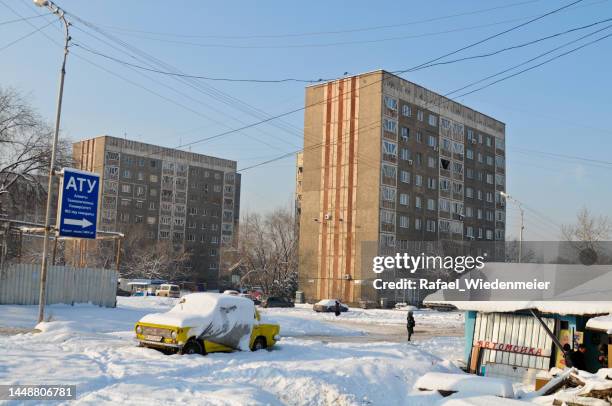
{"points": [[588, 228], [144, 258], [25, 144], [586, 240], [268, 252]]}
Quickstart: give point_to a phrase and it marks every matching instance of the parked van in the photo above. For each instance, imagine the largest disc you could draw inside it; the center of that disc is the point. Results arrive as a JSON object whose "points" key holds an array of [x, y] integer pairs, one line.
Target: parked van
{"points": [[169, 290]]}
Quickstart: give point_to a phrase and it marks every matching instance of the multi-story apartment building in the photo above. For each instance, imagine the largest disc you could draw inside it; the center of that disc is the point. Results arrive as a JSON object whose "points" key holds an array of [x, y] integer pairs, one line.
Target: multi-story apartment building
{"points": [[387, 162], [166, 194]]}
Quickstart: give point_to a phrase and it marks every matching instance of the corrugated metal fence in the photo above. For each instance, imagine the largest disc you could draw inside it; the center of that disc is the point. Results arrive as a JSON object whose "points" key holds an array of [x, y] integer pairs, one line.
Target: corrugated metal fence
{"points": [[20, 284]]}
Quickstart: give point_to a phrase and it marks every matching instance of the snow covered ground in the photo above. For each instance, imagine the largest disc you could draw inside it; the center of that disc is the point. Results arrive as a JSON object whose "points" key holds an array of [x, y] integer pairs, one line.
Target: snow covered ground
{"points": [[94, 348]]}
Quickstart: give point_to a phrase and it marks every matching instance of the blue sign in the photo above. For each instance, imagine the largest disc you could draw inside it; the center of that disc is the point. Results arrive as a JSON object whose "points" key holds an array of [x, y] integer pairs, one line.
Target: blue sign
{"points": [[78, 208]]}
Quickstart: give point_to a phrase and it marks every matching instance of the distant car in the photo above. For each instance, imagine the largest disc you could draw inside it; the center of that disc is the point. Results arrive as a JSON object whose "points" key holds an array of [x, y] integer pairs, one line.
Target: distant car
{"points": [[143, 292], [231, 292], [277, 302], [121, 292], [169, 290], [328, 305]]}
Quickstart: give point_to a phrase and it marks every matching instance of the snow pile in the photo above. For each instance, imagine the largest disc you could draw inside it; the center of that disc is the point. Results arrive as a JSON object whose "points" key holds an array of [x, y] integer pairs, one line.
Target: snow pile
{"points": [[601, 323], [472, 384], [225, 319], [94, 348], [487, 400]]}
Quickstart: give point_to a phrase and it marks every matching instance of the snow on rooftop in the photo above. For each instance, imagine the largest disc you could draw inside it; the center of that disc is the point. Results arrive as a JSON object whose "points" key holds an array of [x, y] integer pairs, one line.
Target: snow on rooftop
{"points": [[601, 323], [566, 307]]}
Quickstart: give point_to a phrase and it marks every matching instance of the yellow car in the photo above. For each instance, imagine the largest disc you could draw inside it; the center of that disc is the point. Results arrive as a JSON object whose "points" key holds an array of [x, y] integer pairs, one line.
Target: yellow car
{"points": [[201, 323]]}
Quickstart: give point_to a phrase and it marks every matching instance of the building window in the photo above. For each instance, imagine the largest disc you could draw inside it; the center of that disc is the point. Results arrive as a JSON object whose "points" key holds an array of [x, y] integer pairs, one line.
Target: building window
{"points": [[499, 235], [479, 194], [419, 137], [469, 232], [153, 192], [404, 176], [431, 162], [490, 178], [390, 125], [152, 206], [444, 184], [190, 237], [124, 217], [490, 216], [469, 192], [418, 180], [479, 214], [489, 234], [444, 205], [214, 227], [404, 199], [179, 221], [127, 174], [153, 178], [433, 120], [432, 141], [417, 202], [469, 154], [405, 134], [480, 157], [489, 197], [213, 252], [138, 219], [417, 224], [431, 183], [469, 212], [214, 239], [217, 188], [404, 154], [125, 188], [139, 204], [419, 115], [165, 220], [151, 220], [112, 156], [404, 221], [193, 210], [125, 202], [431, 204], [192, 224], [163, 235], [177, 235], [469, 173], [431, 226], [406, 110]]}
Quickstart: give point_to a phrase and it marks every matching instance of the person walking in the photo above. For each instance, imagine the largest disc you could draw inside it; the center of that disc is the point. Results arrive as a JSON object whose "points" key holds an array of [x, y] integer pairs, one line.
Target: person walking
{"points": [[410, 323], [337, 308]]}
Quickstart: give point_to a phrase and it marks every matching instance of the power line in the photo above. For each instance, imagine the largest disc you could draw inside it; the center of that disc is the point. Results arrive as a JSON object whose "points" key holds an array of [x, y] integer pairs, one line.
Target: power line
{"points": [[329, 32], [598, 162], [537, 65], [26, 36], [123, 62], [18, 20]]}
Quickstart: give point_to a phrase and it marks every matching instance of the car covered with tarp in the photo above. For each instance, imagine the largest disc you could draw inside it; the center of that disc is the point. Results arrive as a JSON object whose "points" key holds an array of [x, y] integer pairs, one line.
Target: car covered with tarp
{"points": [[207, 322]]}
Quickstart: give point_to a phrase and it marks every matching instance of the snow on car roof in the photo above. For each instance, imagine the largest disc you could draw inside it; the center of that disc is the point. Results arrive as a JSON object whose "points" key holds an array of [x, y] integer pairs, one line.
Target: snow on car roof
{"points": [[327, 302], [473, 384], [225, 319]]}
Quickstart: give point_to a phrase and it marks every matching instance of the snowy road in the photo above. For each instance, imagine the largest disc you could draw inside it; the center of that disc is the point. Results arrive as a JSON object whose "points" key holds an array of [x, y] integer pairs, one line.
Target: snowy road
{"points": [[94, 349]]}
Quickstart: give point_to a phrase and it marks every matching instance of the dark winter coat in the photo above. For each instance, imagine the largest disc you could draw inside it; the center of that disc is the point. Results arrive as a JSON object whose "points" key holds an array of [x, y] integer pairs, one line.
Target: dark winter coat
{"points": [[410, 323]]}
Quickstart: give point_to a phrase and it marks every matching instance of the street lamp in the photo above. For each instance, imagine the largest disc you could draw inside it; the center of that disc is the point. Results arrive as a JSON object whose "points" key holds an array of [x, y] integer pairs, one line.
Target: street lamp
{"points": [[520, 206], [43, 272]]}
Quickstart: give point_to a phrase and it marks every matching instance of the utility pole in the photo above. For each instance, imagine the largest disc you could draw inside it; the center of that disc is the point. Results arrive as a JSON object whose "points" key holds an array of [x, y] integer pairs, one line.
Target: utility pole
{"points": [[43, 270], [520, 206]]}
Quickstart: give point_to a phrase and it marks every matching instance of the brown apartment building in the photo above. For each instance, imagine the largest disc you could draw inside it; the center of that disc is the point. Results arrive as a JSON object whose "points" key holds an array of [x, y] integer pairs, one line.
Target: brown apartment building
{"points": [[188, 198], [387, 162]]}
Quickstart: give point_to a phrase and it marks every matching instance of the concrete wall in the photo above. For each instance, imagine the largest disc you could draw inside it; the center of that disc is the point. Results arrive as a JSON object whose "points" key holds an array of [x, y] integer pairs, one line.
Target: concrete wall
{"points": [[20, 284]]}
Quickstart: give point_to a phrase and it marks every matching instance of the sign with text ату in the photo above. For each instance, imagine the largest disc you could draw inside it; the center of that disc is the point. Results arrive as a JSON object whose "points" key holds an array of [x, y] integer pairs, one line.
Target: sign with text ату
{"points": [[78, 204]]}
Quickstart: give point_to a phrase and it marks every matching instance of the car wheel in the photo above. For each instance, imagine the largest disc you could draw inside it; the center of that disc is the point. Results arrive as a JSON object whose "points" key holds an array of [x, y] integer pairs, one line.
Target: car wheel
{"points": [[192, 347], [260, 344]]}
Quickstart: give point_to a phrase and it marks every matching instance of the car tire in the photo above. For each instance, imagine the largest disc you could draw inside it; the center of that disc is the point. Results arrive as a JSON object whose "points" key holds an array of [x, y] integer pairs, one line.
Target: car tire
{"points": [[259, 344], [193, 347]]}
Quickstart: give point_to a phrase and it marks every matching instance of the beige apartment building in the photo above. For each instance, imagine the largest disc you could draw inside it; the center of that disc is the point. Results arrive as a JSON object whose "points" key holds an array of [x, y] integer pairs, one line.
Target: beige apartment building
{"points": [[166, 194], [386, 163]]}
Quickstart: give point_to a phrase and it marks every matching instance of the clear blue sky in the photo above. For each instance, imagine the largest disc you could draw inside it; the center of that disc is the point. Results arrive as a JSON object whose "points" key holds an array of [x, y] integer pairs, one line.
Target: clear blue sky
{"points": [[563, 107]]}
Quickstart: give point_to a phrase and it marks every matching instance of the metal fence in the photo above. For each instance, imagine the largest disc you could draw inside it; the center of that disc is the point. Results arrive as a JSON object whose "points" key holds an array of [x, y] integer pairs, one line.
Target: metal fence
{"points": [[20, 284]]}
